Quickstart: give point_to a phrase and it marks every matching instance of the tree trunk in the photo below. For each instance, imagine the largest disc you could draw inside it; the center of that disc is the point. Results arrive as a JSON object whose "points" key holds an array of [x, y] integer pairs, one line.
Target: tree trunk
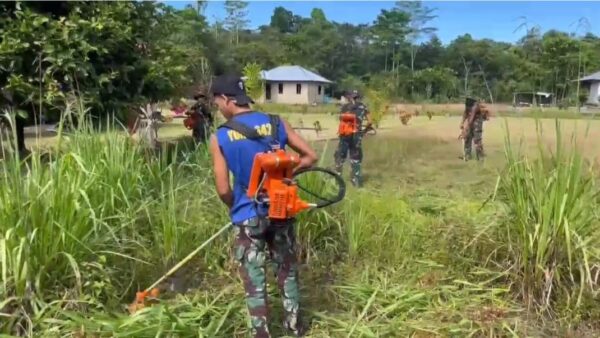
{"points": [[386, 58], [578, 77], [413, 55], [466, 74], [20, 131], [486, 85], [555, 88], [394, 59], [19, 126], [564, 92]]}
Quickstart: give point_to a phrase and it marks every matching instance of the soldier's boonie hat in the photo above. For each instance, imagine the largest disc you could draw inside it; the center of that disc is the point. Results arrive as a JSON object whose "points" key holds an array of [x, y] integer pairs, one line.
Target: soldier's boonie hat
{"points": [[231, 86], [201, 91], [469, 102], [352, 94]]}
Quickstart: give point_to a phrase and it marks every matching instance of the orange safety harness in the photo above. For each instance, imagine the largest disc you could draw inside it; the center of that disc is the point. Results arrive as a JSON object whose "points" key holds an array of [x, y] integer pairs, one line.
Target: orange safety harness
{"points": [[272, 175]]}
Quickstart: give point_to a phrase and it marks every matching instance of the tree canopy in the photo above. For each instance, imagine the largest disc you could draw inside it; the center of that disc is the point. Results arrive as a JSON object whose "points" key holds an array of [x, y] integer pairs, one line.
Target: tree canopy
{"points": [[116, 54]]}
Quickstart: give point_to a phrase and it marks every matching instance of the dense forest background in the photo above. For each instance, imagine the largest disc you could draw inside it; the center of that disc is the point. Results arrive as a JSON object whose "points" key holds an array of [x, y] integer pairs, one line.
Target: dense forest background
{"points": [[118, 54]]}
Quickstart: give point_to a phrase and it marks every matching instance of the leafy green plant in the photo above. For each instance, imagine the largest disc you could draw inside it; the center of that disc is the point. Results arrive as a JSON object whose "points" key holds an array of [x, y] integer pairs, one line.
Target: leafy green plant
{"points": [[254, 82], [378, 104]]}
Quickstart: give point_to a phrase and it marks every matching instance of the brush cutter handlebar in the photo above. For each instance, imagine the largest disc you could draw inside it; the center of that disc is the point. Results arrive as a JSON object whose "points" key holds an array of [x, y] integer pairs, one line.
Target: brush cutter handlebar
{"points": [[274, 183], [368, 130], [324, 202]]}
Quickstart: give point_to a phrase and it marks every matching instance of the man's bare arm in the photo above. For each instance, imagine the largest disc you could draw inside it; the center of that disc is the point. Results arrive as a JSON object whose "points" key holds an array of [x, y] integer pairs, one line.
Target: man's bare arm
{"points": [[221, 172], [308, 157]]}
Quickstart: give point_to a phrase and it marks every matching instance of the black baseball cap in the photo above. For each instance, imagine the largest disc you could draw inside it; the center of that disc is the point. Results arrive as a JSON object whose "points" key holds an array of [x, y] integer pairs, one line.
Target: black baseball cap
{"points": [[231, 86]]}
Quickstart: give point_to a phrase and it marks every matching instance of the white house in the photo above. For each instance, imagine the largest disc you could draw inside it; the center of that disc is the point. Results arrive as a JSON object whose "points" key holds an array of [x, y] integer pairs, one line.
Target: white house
{"points": [[593, 83], [293, 85]]}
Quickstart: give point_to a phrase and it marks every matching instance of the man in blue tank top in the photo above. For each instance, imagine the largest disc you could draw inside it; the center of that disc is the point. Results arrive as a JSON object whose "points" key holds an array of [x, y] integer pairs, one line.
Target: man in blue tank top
{"points": [[233, 152]]}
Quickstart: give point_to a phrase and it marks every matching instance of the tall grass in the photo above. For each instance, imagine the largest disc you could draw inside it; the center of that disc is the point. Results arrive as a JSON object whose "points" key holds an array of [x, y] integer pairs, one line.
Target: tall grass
{"points": [[93, 221], [383, 228], [381, 304], [319, 231], [84, 227], [552, 234], [208, 313]]}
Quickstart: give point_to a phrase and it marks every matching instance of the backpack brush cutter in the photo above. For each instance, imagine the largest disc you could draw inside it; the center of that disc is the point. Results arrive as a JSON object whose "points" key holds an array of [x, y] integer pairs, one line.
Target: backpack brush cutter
{"points": [[273, 183]]}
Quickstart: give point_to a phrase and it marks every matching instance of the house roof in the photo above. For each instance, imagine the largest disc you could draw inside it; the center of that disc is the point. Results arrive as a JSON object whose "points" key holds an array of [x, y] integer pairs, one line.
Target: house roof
{"points": [[591, 77], [292, 73]]}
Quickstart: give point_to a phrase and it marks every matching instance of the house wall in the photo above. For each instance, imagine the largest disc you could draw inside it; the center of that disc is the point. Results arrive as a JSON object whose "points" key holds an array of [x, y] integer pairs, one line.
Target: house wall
{"points": [[308, 95], [313, 93], [594, 92]]}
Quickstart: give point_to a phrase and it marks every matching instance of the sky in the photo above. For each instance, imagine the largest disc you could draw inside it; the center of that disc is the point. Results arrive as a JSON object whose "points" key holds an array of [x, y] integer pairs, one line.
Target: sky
{"points": [[495, 20]]}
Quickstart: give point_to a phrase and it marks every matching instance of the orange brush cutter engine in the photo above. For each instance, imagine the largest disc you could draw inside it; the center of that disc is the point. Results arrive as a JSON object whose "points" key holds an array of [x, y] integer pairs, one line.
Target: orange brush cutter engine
{"points": [[271, 180], [348, 124], [191, 121]]}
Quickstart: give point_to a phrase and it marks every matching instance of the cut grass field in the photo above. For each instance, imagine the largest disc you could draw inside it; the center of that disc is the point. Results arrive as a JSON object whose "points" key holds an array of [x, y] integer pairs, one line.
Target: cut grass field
{"points": [[305, 116], [415, 253]]}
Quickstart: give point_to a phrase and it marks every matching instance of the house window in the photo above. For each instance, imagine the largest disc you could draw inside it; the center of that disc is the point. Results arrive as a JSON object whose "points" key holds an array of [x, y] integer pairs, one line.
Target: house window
{"points": [[281, 88], [298, 88], [319, 90]]}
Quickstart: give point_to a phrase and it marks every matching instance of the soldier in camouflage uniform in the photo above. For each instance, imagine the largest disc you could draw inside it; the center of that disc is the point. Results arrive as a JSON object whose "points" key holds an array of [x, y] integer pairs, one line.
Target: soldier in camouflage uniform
{"points": [[255, 233], [350, 145], [472, 129], [203, 115]]}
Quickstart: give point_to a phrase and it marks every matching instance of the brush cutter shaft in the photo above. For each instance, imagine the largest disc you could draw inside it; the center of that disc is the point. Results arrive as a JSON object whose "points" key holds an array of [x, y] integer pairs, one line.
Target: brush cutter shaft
{"points": [[369, 130], [188, 258]]}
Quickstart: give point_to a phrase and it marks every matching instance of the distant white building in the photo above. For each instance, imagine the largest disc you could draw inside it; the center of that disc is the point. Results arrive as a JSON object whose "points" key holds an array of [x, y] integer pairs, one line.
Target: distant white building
{"points": [[293, 85], [593, 82]]}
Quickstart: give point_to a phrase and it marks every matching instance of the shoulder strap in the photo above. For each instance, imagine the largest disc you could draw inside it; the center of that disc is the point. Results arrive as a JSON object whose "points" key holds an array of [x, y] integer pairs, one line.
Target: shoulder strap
{"points": [[251, 133], [241, 128], [274, 120]]}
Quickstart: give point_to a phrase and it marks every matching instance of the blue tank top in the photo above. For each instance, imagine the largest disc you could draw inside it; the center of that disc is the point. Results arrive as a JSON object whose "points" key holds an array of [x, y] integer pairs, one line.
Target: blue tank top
{"points": [[239, 154]]}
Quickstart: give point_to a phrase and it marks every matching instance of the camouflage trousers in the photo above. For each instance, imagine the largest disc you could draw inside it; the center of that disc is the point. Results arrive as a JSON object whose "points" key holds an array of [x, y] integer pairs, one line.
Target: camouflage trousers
{"points": [[475, 136], [350, 146], [201, 132], [251, 239]]}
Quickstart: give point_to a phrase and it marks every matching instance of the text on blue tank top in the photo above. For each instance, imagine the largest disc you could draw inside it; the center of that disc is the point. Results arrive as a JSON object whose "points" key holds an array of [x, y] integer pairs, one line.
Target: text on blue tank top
{"points": [[239, 154]]}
